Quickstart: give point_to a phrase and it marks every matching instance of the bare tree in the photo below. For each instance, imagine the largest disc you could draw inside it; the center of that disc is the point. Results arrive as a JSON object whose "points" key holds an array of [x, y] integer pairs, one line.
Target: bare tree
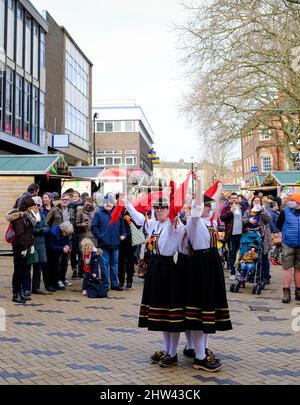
{"points": [[243, 59]]}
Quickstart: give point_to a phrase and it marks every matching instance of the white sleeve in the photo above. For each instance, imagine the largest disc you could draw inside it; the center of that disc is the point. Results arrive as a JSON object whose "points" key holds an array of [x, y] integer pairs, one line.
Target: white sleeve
{"points": [[196, 210], [138, 217]]}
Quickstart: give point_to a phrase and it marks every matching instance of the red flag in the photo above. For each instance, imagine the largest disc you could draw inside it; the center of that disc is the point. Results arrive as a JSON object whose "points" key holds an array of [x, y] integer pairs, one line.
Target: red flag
{"points": [[212, 190], [179, 198], [117, 212]]}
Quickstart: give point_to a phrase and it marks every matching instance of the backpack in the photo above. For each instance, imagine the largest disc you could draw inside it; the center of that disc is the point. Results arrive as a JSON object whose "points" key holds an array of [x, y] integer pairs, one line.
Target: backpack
{"points": [[10, 234]]}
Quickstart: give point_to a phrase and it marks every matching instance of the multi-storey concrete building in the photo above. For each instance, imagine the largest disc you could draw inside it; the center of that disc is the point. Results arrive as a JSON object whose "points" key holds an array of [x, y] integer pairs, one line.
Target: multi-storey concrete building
{"points": [[22, 78], [69, 93], [123, 136]]}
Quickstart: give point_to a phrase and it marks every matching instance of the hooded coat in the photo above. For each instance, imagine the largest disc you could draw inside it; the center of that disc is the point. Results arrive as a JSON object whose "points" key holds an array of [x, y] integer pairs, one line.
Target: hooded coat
{"points": [[22, 224]]}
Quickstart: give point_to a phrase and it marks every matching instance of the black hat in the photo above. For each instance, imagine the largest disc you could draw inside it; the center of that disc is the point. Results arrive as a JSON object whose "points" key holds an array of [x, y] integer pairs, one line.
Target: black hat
{"points": [[161, 202], [208, 199]]}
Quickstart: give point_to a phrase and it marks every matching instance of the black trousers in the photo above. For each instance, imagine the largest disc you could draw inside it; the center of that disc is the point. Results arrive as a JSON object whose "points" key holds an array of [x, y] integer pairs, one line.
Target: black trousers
{"points": [[126, 261], [51, 275], [20, 268]]}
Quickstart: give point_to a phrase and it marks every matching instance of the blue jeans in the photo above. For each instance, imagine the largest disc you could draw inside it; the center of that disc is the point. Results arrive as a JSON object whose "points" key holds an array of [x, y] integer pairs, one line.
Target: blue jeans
{"points": [[109, 267], [266, 267], [36, 278], [246, 269], [233, 247]]}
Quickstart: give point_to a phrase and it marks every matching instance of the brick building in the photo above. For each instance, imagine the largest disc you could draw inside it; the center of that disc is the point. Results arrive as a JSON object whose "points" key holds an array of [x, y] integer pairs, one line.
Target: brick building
{"points": [[123, 137]]}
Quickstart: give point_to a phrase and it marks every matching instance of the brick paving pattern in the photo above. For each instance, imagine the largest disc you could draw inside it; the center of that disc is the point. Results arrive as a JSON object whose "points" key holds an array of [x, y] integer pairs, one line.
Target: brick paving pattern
{"points": [[65, 338]]}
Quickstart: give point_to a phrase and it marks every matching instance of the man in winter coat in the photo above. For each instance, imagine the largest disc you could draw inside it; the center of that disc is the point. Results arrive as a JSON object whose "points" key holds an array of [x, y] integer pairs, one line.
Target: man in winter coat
{"points": [[289, 223], [232, 216], [108, 237]]}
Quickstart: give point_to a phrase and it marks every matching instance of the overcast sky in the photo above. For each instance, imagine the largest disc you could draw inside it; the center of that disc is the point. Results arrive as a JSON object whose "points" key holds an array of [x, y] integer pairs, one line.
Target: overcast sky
{"points": [[134, 52]]}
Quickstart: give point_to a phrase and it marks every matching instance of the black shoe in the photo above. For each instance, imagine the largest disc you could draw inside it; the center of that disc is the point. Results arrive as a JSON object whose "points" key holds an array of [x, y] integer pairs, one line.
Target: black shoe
{"points": [[168, 361], [38, 292], [118, 288], [26, 295], [208, 364], [51, 289], [211, 354], [74, 275], [18, 299], [189, 352], [129, 285], [156, 357]]}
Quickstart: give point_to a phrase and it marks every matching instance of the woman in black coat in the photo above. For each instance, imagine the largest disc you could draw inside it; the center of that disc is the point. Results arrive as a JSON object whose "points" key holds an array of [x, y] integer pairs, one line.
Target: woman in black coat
{"points": [[22, 224]]}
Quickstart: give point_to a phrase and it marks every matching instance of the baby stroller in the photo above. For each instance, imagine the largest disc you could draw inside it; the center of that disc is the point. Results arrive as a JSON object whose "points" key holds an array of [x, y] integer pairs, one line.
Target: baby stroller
{"points": [[255, 277], [222, 249]]}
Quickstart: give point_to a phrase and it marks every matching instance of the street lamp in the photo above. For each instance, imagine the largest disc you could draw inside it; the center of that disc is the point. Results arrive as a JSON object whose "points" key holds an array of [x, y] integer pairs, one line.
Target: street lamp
{"points": [[96, 115], [193, 188]]}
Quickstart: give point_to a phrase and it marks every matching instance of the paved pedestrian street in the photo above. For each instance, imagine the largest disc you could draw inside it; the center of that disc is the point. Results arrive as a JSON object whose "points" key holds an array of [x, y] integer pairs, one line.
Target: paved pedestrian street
{"points": [[64, 338]]}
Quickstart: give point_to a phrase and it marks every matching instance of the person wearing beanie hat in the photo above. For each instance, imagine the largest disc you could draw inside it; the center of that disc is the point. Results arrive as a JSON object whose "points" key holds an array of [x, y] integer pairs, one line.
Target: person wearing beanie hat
{"points": [[40, 229], [22, 222], [289, 224]]}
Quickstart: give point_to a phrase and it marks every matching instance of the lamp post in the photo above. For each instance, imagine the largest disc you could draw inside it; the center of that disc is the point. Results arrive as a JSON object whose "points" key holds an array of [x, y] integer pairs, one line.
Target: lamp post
{"points": [[96, 115], [193, 186]]}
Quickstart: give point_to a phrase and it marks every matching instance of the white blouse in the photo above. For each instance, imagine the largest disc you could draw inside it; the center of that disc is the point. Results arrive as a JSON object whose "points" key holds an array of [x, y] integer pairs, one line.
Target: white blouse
{"points": [[196, 227], [183, 240], [168, 240]]}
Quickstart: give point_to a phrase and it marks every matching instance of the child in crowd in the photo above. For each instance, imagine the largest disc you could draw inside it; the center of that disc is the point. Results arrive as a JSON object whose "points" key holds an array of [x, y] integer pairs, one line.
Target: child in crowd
{"points": [[247, 263], [90, 262]]}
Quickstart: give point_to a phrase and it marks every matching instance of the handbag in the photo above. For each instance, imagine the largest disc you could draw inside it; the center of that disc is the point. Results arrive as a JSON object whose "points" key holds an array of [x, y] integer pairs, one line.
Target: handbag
{"points": [[277, 239], [32, 258], [95, 289], [137, 235]]}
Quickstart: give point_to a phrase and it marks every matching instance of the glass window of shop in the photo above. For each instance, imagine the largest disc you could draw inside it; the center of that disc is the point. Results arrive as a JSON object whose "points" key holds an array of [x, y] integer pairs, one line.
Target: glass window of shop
{"points": [[1, 95], [35, 116], [9, 100], [42, 49], [35, 67], [10, 28], [42, 120], [27, 110], [18, 106], [20, 36], [2, 16], [27, 43]]}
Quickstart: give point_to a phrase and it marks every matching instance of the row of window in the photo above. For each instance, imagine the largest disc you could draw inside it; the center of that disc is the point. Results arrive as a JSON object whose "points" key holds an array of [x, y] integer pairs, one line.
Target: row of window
{"points": [[116, 152], [265, 135], [75, 121], [22, 107], [116, 126], [25, 40], [76, 75], [116, 161]]}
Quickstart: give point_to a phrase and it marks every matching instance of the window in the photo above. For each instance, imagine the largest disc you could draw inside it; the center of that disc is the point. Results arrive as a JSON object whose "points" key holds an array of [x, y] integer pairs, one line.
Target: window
{"points": [[42, 50], [28, 43], [100, 127], [18, 107], [75, 121], [2, 15], [128, 126], [100, 161], [296, 158], [9, 101], [1, 94], [108, 127], [35, 106], [117, 161], [42, 119], [77, 69], [10, 28], [19, 44], [35, 67], [109, 161], [130, 152], [27, 110], [264, 135], [266, 163], [130, 161], [117, 126]]}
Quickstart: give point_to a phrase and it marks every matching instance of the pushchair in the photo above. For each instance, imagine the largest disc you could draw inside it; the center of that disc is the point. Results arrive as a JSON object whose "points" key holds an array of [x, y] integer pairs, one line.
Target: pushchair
{"points": [[255, 276], [222, 249]]}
